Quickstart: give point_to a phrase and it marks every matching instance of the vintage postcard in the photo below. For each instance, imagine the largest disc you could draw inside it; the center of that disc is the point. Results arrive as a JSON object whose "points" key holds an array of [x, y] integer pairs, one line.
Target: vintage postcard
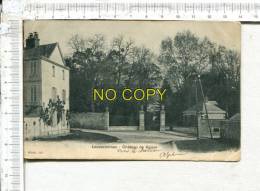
{"points": [[131, 90]]}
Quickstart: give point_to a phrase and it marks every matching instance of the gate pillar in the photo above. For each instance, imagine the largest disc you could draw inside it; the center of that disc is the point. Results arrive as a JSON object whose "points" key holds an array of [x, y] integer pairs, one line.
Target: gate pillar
{"points": [[141, 119], [162, 119], [107, 119]]}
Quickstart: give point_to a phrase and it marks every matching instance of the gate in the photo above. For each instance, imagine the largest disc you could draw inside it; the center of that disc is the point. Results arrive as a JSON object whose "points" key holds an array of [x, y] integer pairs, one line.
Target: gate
{"points": [[125, 118]]}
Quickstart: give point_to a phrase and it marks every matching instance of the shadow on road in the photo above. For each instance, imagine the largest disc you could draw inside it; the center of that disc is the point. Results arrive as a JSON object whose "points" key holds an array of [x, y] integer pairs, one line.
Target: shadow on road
{"points": [[77, 135], [207, 145]]}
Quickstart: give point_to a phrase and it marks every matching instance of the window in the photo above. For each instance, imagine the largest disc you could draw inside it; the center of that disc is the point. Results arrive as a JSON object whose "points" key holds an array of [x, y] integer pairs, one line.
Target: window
{"points": [[33, 67], [64, 95], [33, 94], [216, 129], [53, 71], [54, 93], [63, 75]]}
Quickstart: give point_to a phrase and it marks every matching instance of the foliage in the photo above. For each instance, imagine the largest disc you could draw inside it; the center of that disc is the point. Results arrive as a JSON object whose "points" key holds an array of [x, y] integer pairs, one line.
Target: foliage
{"points": [[186, 56], [121, 63], [47, 113]]}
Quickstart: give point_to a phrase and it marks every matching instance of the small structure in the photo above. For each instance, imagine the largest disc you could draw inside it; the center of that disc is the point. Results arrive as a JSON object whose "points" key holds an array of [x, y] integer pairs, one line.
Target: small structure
{"points": [[233, 129], [46, 89], [196, 116]]}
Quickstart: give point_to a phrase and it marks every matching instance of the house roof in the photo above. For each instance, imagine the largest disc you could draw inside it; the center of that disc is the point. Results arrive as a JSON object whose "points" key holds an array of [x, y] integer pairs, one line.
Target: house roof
{"points": [[210, 105], [235, 117], [42, 50]]}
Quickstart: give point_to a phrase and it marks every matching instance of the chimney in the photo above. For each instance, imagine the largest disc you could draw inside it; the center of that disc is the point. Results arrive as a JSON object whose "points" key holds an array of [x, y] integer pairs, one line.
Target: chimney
{"points": [[36, 39], [32, 41]]}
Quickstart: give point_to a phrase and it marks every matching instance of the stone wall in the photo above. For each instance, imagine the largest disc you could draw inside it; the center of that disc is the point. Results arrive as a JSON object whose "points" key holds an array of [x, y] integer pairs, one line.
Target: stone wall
{"points": [[89, 120], [100, 121], [35, 128]]}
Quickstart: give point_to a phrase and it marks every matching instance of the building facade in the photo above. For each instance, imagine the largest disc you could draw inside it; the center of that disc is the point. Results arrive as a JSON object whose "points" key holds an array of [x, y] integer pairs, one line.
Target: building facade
{"points": [[46, 89]]}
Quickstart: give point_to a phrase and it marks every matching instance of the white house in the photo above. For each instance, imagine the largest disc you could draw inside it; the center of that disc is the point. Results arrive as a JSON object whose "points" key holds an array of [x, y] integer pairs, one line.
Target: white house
{"points": [[46, 89]]}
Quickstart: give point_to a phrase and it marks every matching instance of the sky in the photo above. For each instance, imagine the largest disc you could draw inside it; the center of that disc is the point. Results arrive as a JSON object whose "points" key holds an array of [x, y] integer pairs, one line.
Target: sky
{"points": [[147, 33]]}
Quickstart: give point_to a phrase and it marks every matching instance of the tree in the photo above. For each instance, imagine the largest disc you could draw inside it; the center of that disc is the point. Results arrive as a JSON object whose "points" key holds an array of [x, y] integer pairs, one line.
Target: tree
{"points": [[120, 65], [185, 56], [88, 57], [222, 82], [118, 58], [144, 72]]}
